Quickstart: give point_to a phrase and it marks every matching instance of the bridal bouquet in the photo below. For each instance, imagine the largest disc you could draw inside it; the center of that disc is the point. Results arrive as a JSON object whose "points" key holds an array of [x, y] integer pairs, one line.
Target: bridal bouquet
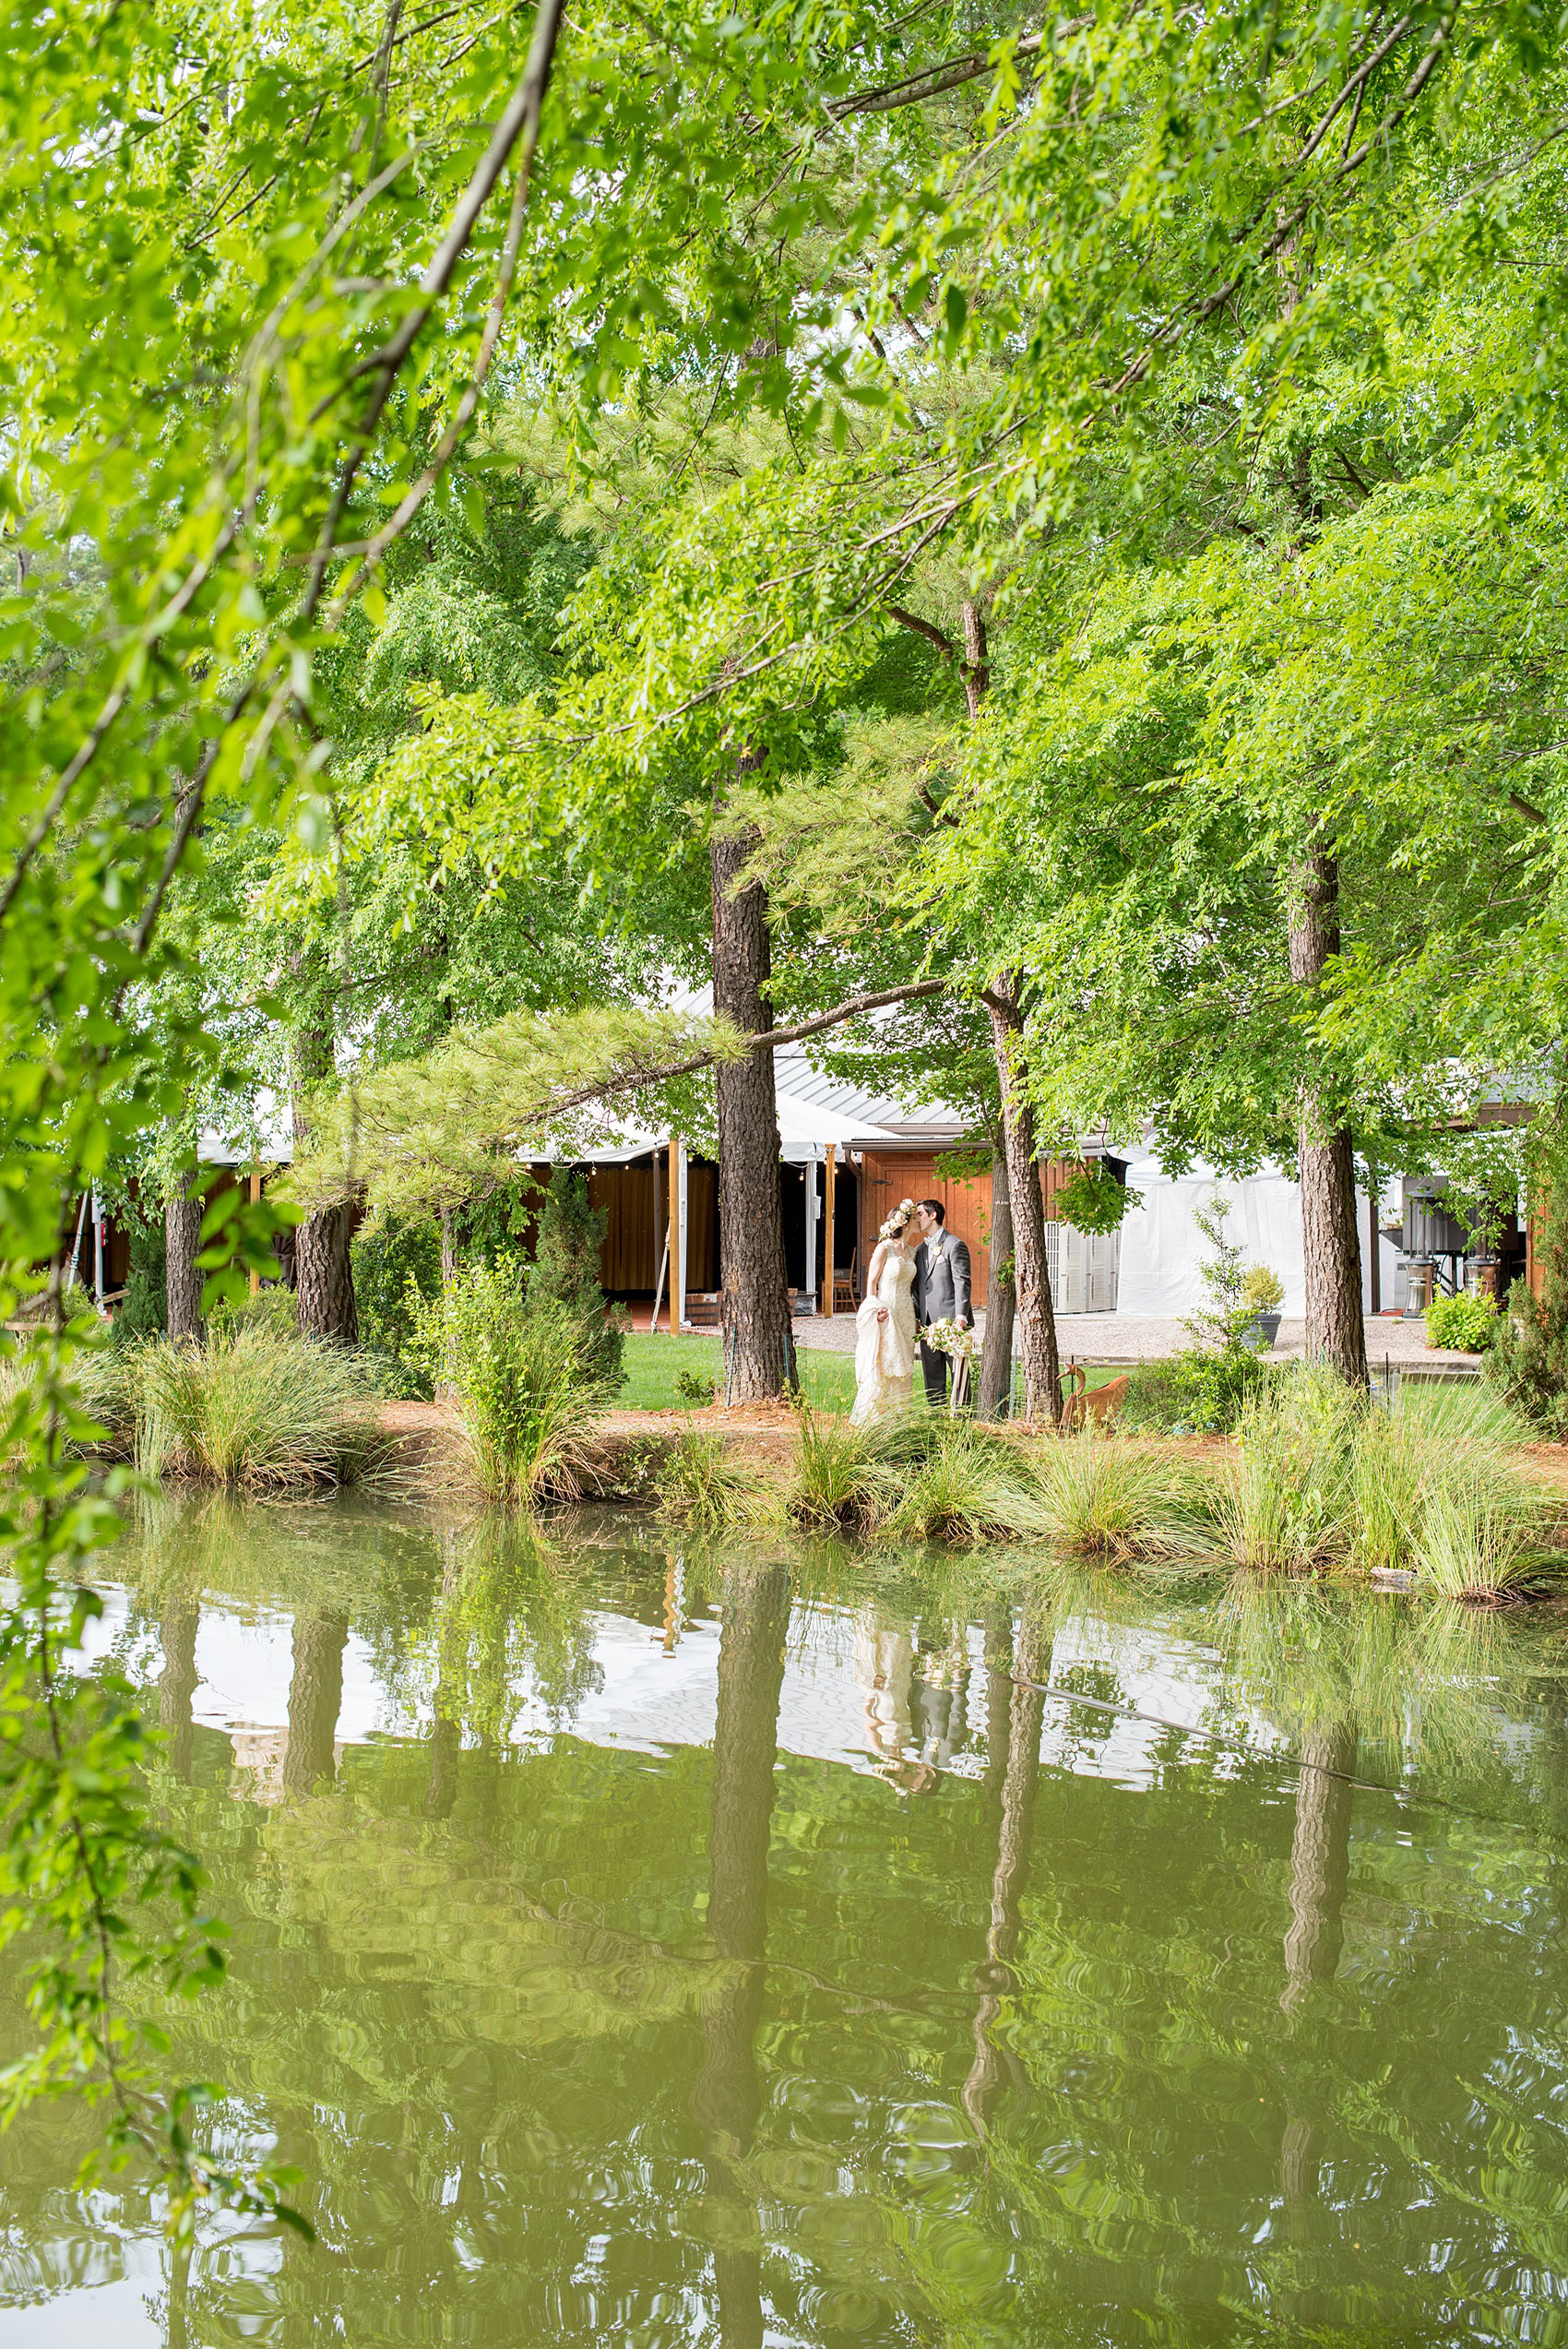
{"points": [[950, 1336]]}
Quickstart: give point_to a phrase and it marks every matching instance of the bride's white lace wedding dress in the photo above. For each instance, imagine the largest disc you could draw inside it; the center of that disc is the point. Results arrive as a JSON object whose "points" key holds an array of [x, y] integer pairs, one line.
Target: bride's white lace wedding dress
{"points": [[884, 1351]]}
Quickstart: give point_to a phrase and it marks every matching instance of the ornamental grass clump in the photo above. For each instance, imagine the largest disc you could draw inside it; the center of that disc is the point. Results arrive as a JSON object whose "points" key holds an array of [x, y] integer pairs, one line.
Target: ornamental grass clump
{"points": [[1102, 1495], [1477, 1532], [706, 1484], [255, 1410], [835, 1481], [1287, 1497], [527, 1392], [950, 1480]]}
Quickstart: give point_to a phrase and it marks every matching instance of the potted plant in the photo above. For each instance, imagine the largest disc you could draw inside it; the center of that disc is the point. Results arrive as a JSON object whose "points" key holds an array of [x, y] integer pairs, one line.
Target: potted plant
{"points": [[1262, 1293]]}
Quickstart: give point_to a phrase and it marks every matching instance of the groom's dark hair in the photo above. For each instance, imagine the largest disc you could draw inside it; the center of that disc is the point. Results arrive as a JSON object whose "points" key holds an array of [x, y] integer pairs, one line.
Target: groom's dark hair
{"points": [[935, 1207]]}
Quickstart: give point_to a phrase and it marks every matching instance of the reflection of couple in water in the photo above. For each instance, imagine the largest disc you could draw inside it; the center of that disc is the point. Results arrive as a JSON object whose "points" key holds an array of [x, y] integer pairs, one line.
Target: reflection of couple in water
{"points": [[914, 1700]]}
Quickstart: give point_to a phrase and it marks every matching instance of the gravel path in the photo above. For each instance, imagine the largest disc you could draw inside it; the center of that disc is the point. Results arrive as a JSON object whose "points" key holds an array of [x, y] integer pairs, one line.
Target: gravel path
{"points": [[1126, 1337]]}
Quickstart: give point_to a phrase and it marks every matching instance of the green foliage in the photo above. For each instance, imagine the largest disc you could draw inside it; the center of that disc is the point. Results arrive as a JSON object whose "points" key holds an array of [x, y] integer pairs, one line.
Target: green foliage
{"points": [[564, 1277], [1527, 1362], [693, 1388], [1475, 1529], [1199, 1392], [834, 1482], [1285, 1499], [256, 1407], [1091, 1200], [1262, 1291], [705, 1483], [525, 1390], [397, 1269], [1106, 1496], [1466, 1321]]}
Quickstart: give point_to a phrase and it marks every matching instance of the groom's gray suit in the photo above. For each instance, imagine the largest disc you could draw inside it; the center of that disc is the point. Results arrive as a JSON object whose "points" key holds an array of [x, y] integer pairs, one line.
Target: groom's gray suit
{"points": [[942, 1292]]}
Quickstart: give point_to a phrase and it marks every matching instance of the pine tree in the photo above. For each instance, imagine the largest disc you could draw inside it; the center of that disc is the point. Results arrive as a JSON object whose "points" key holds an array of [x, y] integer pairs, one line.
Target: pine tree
{"points": [[566, 1272]]}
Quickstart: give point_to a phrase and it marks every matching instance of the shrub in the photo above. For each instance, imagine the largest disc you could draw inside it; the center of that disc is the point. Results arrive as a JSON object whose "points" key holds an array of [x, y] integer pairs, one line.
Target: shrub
{"points": [[564, 1278], [397, 1273], [1477, 1527], [1287, 1498], [1467, 1322], [835, 1481], [1262, 1291], [706, 1484], [1103, 1496], [1199, 1392], [525, 1391], [693, 1388], [273, 1309], [256, 1410]]}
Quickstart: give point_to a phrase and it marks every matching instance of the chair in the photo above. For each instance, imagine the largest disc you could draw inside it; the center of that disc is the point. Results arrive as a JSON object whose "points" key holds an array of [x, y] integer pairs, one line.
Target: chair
{"points": [[844, 1297]]}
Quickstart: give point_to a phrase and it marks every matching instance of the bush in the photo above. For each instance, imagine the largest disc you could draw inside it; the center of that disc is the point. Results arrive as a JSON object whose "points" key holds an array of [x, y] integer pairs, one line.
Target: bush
{"points": [[1200, 1392], [564, 1277], [1262, 1291], [523, 1380], [703, 1483], [1288, 1497], [693, 1388], [1103, 1496], [1477, 1528], [953, 1480], [834, 1482], [254, 1409], [397, 1272], [273, 1309], [1467, 1322]]}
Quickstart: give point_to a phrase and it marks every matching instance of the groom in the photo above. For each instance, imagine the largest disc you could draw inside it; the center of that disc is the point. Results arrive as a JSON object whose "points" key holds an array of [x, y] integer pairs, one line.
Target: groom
{"points": [[942, 1292]]}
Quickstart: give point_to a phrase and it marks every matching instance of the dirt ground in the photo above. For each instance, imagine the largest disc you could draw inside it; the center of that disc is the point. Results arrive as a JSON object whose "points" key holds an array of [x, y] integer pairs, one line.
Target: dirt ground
{"points": [[424, 1431]]}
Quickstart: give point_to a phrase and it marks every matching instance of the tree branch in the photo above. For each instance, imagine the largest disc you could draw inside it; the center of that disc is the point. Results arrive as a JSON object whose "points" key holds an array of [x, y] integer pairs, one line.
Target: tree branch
{"points": [[766, 1040]]}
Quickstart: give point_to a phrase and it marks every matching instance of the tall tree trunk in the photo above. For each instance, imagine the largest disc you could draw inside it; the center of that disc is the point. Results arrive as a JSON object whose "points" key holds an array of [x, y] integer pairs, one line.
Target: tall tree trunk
{"points": [[315, 1699], [1026, 1709], [182, 1237], [1330, 1249], [727, 2097], [995, 1386], [1037, 1314], [759, 1341], [449, 1246], [324, 1270]]}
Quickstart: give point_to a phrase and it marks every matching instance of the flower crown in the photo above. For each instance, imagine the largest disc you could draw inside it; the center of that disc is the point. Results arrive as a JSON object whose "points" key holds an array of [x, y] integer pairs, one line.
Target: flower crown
{"points": [[898, 1220]]}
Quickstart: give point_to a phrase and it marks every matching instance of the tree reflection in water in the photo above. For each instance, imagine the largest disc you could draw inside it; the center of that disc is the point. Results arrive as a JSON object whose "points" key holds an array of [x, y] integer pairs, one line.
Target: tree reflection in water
{"points": [[1104, 2048], [727, 2097]]}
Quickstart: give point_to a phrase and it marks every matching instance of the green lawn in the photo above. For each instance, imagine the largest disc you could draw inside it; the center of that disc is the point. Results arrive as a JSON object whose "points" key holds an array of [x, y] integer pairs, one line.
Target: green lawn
{"points": [[652, 1364]]}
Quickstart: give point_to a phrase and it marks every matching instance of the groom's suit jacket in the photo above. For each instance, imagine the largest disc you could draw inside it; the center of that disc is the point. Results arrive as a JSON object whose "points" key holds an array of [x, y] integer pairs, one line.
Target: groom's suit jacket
{"points": [[942, 1281]]}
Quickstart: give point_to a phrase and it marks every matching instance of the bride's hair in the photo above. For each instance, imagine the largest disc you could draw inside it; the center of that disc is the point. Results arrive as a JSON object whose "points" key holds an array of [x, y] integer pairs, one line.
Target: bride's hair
{"points": [[902, 1215]]}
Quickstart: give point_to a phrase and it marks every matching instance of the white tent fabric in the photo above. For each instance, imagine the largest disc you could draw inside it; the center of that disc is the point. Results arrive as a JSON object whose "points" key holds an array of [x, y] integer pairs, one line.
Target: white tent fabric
{"points": [[1162, 1249]]}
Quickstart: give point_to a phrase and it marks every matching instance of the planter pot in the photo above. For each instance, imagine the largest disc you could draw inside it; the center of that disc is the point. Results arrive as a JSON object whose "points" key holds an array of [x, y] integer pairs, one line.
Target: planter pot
{"points": [[1267, 1326]]}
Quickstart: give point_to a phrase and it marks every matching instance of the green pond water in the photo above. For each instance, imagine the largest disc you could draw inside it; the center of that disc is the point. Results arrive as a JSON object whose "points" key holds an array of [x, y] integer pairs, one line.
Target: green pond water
{"points": [[676, 1943]]}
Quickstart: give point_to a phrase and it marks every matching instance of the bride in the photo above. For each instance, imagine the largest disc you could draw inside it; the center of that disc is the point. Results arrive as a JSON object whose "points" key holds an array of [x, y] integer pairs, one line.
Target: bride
{"points": [[884, 1351]]}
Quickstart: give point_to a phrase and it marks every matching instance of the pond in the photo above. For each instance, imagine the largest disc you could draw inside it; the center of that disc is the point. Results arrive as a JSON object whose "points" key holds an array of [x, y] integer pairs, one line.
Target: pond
{"points": [[660, 1943]]}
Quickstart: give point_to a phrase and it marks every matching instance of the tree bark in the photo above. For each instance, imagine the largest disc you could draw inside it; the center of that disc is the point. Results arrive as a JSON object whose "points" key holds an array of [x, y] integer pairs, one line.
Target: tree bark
{"points": [[448, 1247], [995, 1387], [182, 1236], [1330, 1249], [1037, 1314], [315, 1699], [759, 1341], [324, 1270], [727, 2096]]}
